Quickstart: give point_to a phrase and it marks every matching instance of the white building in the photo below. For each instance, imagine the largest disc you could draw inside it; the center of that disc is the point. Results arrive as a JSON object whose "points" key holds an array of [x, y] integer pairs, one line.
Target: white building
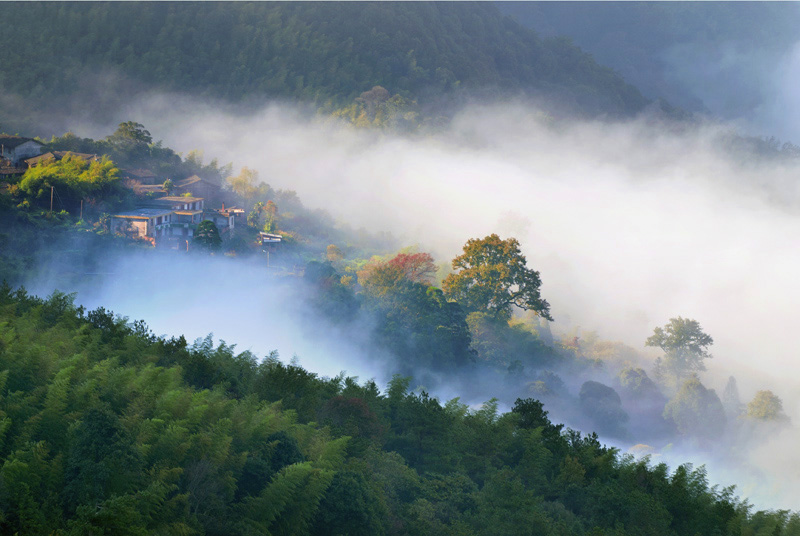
{"points": [[16, 148], [143, 223], [167, 220]]}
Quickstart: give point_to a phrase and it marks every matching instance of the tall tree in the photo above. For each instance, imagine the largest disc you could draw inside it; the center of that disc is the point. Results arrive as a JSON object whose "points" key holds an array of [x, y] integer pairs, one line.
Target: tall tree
{"points": [[130, 142], [493, 276], [685, 348], [245, 184]]}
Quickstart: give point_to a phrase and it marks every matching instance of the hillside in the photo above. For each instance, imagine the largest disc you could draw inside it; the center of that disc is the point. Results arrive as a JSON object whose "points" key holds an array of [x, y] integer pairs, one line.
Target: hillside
{"points": [[95, 56], [725, 58], [108, 429]]}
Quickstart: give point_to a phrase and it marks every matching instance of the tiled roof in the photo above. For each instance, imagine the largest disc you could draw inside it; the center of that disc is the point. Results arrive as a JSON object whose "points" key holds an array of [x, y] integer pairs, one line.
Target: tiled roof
{"points": [[11, 142], [194, 179], [137, 173], [143, 213], [176, 199], [58, 155]]}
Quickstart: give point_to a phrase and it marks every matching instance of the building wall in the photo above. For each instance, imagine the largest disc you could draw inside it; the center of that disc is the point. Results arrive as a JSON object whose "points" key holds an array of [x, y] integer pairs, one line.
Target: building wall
{"points": [[122, 225], [29, 149]]}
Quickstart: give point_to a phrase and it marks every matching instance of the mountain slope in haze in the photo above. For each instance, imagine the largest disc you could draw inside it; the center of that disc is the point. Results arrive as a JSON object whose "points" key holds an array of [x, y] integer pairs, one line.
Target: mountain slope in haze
{"points": [[327, 53], [718, 57]]}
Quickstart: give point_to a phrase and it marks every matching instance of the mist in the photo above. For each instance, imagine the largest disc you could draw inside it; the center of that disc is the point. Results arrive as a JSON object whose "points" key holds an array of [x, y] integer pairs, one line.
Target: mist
{"points": [[629, 224]]}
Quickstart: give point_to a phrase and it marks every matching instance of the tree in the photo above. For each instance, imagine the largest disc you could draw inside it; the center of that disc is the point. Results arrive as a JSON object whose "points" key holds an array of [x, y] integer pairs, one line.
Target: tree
{"points": [[333, 253], [696, 411], [74, 179], [603, 405], [271, 211], [373, 98], [378, 275], [245, 184], [416, 267], [207, 236], [254, 218], [766, 406], [493, 276], [685, 347], [730, 398], [131, 132], [130, 142]]}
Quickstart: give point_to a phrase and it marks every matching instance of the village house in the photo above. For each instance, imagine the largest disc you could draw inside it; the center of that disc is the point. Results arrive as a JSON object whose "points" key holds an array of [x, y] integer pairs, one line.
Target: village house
{"points": [[187, 212], [143, 223], [16, 148], [239, 217], [146, 190], [142, 176], [200, 187], [175, 202], [269, 241], [8, 170], [225, 220], [163, 221]]}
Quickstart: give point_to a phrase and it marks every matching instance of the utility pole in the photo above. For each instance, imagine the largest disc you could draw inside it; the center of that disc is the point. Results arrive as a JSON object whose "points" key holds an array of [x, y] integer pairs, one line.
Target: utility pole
{"points": [[51, 199]]}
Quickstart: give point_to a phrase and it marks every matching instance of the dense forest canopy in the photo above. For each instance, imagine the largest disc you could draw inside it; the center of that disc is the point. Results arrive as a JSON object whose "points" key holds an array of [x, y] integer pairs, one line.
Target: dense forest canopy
{"points": [[108, 429], [325, 53]]}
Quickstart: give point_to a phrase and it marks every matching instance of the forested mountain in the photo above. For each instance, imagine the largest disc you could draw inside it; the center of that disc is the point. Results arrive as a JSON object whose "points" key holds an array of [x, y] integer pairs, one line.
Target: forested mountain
{"points": [[94, 55], [720, 57], [107, 429]]}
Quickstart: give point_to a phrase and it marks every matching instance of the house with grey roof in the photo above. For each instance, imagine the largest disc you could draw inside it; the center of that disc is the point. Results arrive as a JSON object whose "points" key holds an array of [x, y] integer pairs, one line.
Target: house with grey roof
{"points": [[198, 186], [16, 148], [169, 220]]}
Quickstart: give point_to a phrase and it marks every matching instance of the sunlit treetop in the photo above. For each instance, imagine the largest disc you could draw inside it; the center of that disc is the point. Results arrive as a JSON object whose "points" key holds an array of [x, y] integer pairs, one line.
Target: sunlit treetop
{"points": [[492, 276]]}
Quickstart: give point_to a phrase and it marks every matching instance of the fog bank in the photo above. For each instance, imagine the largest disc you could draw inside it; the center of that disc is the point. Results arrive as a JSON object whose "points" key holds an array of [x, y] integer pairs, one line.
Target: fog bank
{"points": [[628, 223]]}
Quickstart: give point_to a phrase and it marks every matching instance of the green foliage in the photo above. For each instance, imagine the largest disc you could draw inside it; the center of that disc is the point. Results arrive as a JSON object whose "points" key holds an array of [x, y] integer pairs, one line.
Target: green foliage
{"points": [[636, 382], [325, 53], [685, 347], [376, 108], [131, 140], [131, 146], [493, 276], [415, 321], [207, 236], [107, 429], [74, 179], [350, 507], [766, 406], [499, 342], [696, 411], [603, 405], [332, 297]]}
